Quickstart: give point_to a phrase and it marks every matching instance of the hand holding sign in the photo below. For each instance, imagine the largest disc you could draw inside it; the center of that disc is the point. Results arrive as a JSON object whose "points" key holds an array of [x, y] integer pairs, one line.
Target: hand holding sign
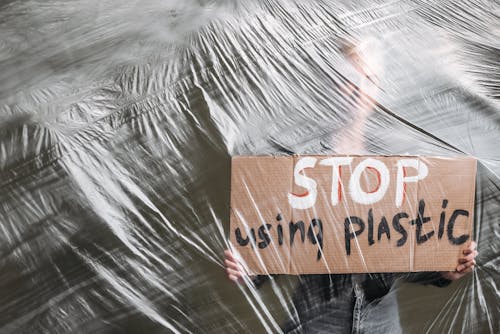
{"points": [[234, 270], [465, 264], [236, 273]]}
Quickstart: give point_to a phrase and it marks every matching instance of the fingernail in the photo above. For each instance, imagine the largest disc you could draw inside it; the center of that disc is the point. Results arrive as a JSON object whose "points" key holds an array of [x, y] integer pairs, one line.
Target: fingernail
{"points": [[460, 268]]}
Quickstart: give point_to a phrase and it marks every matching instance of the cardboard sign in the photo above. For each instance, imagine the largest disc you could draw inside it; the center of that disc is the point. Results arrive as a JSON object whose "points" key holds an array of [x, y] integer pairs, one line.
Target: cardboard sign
{"points": [[351, 214]]}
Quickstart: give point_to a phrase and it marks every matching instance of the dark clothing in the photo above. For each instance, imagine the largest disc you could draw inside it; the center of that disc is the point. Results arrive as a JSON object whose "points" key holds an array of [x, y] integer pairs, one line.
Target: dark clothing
{"points": [[338, 303]]}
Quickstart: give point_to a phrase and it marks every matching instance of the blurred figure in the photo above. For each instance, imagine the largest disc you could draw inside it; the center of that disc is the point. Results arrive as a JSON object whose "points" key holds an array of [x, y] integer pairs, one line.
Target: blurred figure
{"points": [[338, 303]]}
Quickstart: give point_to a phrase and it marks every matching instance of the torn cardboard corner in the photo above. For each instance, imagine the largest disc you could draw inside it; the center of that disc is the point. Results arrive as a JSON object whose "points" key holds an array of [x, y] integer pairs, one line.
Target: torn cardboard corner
{"points": [[351, 214]]}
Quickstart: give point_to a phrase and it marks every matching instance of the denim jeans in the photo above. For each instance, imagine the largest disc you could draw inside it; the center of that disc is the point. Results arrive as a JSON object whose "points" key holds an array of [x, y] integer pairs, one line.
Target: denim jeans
{"points": [[350, 303]]}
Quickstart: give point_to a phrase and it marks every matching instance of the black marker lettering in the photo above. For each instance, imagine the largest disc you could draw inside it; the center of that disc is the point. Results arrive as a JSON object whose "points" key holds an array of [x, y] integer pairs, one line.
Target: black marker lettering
{"points": [[239, 238], [383, 228], [442, 219], [294, 227], [397, 226], [264, 236], [280, 235], [420, 221], [280, 229], [347, 229], [370, 227], [318, 238], [451, 223]]}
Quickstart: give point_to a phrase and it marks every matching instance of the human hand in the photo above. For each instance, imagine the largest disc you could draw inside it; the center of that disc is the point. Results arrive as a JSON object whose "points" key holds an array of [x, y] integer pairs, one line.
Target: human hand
{"points": [[234, 270], [465, 264]]}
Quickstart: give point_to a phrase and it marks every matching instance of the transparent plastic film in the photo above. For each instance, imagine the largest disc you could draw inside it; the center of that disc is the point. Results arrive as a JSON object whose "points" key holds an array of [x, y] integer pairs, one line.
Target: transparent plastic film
{"points": [[249, 166]]}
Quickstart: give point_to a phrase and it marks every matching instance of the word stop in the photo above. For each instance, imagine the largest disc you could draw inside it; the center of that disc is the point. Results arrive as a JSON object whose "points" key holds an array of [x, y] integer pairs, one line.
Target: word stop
{"points": [[307, 199]]}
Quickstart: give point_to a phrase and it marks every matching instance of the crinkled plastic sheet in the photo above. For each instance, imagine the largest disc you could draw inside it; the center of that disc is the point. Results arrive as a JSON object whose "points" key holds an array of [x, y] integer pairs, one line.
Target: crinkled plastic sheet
{"points": [[119, 118]]}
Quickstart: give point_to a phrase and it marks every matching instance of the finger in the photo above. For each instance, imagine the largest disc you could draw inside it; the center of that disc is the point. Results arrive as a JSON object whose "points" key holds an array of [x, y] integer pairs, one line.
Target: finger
{"points": [[232, 265], [233, 278], [229, 255], [231, 272], [452, 275], [471, 248], [468, 251], [466, 265], [466, 271], [468, 258]]}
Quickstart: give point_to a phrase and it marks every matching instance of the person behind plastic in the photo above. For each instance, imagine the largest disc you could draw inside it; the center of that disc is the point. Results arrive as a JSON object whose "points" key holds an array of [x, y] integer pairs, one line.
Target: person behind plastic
{"points": [[338, 303]]}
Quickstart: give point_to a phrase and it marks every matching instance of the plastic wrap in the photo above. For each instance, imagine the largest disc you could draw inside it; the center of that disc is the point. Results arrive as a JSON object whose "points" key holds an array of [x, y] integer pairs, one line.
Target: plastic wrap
{"points": [[118, 120]]}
